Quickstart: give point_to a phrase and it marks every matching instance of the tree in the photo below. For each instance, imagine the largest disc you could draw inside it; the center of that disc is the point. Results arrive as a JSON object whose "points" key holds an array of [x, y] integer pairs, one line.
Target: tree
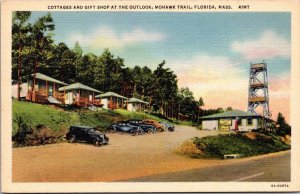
{"points": [[41, 44], [127, 82], [77, 49], [188, 104], [229, 109], [138, 80], [146, 83], [20, 38], [61, 64], [67, 67], [165, 88], [200, 103], [284, 128], [113, 71]]}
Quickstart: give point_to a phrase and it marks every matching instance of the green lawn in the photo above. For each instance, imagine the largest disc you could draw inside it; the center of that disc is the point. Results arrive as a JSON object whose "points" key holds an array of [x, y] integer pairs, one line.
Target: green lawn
{"points": [[33, 115]]}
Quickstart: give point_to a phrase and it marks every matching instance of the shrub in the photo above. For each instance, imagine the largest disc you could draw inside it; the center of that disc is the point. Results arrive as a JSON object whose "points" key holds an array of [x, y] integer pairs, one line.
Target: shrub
{"points": [[38, 135], [22, 129], [188, 148], [220, 145], [41, 135]]}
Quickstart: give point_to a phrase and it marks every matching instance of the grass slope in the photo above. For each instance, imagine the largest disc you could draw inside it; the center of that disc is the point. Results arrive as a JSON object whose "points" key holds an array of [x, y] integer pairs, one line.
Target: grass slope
{"points": [[218, 146], [57, 119]]}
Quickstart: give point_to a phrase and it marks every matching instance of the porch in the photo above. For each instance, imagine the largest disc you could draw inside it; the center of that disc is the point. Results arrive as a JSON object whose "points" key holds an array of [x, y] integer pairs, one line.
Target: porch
{"points": [[44, 89], [111, 100], [42, 96], [79, 95]]}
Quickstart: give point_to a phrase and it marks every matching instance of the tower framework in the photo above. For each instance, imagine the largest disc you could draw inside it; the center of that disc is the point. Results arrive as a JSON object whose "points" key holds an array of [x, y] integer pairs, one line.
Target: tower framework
{"points": [[258, 95]]}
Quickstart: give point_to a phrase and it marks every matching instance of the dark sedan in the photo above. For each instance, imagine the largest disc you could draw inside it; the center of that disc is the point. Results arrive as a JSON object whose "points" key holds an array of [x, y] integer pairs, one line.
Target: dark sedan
{"points": [[125, 127], [88, 134], [146, 127]]}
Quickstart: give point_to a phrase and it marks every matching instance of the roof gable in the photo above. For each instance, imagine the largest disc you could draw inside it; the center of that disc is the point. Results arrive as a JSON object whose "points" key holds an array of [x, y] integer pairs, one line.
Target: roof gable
{"points": [[78, 86], [109, 94], [132, 100], [47, 78], [230, 114]]}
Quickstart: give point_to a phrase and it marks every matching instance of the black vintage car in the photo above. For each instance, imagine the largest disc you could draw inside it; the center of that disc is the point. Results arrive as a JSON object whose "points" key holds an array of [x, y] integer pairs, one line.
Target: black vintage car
{"points": [[125, 127], [87, 134], [146, 127]]}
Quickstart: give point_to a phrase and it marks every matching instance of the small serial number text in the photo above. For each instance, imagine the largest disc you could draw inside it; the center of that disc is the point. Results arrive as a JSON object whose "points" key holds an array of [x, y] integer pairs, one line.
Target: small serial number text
{"points": [[279, 185]]}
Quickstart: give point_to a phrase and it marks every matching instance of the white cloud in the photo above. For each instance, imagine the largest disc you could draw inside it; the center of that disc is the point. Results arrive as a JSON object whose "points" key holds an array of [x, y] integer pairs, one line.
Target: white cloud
{"points": [[218, 79], [269, 45], [210, 72], [224, 83], [279, 86], [106, 37]]}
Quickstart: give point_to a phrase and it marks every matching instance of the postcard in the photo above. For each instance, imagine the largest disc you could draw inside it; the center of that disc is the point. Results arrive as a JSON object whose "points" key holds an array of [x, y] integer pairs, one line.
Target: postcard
{"points": [[150, 96]]}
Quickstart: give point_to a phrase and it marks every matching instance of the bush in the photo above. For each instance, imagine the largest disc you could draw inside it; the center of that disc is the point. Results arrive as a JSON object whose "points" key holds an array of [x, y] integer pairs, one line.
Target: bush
{"points": [[38, 135], [188, 148], [41, 136], [243, 144], [22, 129]]}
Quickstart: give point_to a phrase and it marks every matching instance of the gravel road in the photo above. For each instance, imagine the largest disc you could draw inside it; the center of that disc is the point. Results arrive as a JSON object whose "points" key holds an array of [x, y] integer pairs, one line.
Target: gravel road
{"points": [[126, 157]]}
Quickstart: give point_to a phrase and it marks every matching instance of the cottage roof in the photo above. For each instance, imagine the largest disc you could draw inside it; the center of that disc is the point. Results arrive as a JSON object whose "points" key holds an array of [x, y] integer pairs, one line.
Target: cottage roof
{"points": [[230, 114], [133, 100], [77, 86], [109, 94], [47, 78]]}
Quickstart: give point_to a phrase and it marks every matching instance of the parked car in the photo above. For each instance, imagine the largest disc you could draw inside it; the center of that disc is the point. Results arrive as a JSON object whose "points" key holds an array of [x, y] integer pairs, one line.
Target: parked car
{"points": [[146, 127], [159, 127], [87, 134], [125, 127], [168, 126]]}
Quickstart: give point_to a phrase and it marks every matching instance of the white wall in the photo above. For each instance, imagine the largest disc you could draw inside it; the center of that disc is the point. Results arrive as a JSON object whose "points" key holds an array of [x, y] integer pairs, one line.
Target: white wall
{"points": [[133, 107], [69, 97], [210, 125], [244, 126], [214, 125], [130, 107], [104, 101], [23, 92]]}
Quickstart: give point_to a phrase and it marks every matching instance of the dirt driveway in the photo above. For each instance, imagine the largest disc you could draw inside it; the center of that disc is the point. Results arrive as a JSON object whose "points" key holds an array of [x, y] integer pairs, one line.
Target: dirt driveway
{"points": [[126, 157]]}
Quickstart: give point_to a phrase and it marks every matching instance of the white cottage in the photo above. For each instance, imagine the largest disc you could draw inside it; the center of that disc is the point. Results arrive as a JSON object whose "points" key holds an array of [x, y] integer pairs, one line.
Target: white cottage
{"points": [[226, 121], [135, 104], [78, 94], [39, 88], [111, 100]]}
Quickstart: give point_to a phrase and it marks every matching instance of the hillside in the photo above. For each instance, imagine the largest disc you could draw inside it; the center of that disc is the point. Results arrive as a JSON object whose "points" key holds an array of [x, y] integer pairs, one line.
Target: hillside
{"points": [[50, 122], [37, 115], [244, 144]]}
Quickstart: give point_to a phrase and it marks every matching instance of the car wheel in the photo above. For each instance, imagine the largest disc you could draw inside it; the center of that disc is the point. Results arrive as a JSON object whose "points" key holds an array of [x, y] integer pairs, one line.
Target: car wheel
{"points": [[141, 132], [96, 142], [113, 130], [160, 129], [134, 133], [150, 131], [72, 139], [170, 129]]}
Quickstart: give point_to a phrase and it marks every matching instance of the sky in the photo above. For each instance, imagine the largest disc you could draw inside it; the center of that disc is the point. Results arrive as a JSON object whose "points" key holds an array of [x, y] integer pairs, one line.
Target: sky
{"points": [[209, 52]]}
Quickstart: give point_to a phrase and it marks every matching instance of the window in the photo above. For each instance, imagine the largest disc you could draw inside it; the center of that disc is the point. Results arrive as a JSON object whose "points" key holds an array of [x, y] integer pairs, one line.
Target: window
{"points": [[91, 130], [249, 121], [239, 121], [84, 130]]}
